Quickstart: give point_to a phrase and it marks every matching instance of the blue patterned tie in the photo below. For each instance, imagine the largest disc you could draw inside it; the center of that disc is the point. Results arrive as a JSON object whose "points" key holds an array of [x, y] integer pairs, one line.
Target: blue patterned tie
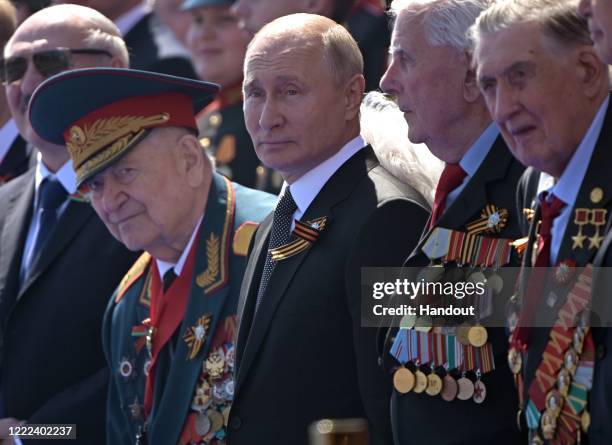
{"points": [[51, 195], [279, 235]]}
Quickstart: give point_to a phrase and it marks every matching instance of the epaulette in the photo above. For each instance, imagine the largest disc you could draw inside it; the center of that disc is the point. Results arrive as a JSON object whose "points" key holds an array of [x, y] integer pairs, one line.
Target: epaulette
{"points": [[132, 275], [242, 237]]}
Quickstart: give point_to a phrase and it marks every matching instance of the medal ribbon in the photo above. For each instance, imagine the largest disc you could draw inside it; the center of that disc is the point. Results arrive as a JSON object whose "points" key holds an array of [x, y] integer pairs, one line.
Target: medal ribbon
{"points": [[560, 338], [167, 311]]}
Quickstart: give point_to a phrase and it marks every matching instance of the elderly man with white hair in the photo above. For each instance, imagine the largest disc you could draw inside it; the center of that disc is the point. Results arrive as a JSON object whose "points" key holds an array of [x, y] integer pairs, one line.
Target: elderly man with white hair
{"points": [[454, 389], [548, 90]]}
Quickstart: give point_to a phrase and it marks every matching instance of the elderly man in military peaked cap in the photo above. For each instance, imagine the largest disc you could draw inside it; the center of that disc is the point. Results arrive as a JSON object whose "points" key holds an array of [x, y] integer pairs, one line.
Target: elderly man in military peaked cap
{"points": [[169, 328]]}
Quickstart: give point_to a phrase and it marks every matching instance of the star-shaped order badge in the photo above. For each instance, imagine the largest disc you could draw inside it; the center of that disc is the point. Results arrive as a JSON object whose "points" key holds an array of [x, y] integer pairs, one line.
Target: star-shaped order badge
{"points": [[195, 336], [492, 220], [306, 234]]}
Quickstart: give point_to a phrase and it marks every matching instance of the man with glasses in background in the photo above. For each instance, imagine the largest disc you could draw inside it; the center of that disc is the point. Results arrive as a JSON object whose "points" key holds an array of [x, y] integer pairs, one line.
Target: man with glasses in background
{"points": [[58, 263], [15, 155]]}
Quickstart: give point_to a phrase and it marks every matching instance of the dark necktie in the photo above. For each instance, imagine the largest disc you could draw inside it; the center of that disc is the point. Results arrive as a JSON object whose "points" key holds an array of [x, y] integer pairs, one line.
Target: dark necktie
{"points": [[280, 234], [168, 279], [51, 196], [452, 176], [549, 210]]}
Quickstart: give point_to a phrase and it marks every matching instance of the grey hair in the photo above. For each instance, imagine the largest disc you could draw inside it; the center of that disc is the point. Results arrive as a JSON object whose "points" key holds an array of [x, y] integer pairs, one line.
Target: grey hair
{"points": [[559, 20], [446, 22]]}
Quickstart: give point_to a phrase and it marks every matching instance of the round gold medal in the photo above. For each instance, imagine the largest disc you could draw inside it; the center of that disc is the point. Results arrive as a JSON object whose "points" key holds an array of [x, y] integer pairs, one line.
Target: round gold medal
{"points": [[496, 283], [465, 388], [226, 412], [434, 384], [515, 361], [407, 321], [477, 336], [462, 334], [449, 388], [216, 420], [423, 323], [477, 277], [480, 392], [420, 382], [403, 380], [585, 421]]}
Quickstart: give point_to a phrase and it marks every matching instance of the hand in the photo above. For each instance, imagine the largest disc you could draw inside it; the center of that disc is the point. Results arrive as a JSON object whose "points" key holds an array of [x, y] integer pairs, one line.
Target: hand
{"points": [[5, 424]]}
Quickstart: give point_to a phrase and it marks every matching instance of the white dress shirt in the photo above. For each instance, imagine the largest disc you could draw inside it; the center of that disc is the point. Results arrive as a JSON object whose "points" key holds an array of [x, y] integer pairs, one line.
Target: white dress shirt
{"points": [[471, 160], [306, 188], [8, 134], [163, 266]]}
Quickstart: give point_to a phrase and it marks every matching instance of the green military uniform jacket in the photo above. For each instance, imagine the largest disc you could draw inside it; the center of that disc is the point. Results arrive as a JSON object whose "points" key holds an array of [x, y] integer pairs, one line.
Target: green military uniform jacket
{"points": [[193, 385]]}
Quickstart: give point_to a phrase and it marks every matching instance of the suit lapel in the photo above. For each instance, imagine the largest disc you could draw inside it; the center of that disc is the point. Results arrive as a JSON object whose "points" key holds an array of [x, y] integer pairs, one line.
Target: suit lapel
{"points": [[16, 160], [336, 190], [250, 287], [472, 198], [15, 229], [70, 223], [207, 297]]}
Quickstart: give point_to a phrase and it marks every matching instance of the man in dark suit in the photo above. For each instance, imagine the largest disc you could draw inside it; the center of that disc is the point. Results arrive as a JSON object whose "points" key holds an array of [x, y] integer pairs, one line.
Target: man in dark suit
{"points": [[431, 78], [15, 154], [58, 264], [135, 21], [548, 91], [302, 353]]}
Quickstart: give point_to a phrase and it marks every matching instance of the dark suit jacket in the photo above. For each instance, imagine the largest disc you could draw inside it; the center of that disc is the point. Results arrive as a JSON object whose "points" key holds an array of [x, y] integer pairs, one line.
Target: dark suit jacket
{"points": [[305, 356], [145, 54], [18, 160], [51, 360], [419, 418], [597, 175]]}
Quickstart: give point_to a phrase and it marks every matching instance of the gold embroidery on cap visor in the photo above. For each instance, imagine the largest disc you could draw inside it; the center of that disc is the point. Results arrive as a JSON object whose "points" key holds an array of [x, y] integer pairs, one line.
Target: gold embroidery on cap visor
{"points": [[94, 146]]}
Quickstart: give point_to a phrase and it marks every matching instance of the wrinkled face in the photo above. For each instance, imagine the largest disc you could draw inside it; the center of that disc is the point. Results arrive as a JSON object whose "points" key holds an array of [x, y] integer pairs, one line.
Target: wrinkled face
{"points": [[294, 110], [144, 199], [29, 41], [428, 83], [599, 15], [254, 14], [217, 44], [533, 93]]}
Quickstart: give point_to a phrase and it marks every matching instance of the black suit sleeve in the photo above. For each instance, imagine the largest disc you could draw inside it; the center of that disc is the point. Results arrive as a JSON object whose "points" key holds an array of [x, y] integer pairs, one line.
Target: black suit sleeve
{"points": [[386, 239], [83, 404]]}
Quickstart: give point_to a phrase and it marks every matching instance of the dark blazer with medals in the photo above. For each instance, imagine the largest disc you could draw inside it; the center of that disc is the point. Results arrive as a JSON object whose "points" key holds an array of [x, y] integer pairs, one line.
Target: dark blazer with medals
{"points": [[420, 418], [193, 385], [145, 54], [19, 158], [595, 195], [305, 356], [51, 360]]}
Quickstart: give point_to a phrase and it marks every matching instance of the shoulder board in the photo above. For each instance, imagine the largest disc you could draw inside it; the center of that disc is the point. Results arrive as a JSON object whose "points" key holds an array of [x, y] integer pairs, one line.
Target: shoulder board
{"points": [[242, 237], [132, 275]]}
